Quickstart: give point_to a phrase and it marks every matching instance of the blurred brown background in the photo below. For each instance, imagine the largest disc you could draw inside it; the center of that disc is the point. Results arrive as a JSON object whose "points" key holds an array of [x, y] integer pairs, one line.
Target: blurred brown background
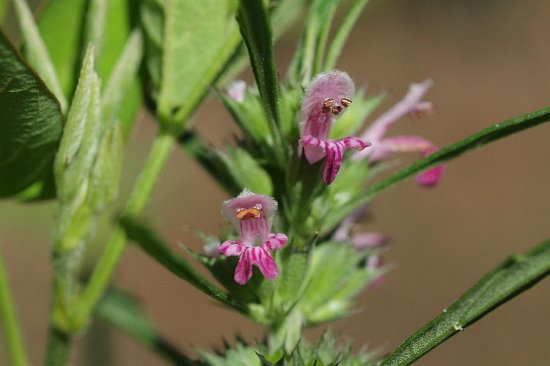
{"points": [[490, 60]]}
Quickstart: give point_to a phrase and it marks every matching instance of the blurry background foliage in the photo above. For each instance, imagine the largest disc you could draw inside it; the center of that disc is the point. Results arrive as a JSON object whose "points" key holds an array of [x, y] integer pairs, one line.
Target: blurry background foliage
{"points": [[475, 52]]}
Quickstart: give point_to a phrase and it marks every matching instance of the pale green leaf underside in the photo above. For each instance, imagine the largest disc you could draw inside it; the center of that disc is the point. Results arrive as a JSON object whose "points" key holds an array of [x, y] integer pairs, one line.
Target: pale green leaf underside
{"points": [[194, 32]]}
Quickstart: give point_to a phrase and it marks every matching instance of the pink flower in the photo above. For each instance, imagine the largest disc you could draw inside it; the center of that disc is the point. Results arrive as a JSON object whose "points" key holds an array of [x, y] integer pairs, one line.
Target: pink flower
{"points": [[385, 147], [251, 215], [328, 95]]}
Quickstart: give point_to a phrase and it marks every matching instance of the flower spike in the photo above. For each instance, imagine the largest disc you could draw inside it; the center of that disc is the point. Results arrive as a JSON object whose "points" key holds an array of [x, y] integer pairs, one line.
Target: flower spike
{"points": [[252, 216]]}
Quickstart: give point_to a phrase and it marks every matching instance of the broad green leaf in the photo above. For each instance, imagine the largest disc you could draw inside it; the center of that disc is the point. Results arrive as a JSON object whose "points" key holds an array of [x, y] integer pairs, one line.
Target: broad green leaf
{"points": [[513, 276], [122, 311], [246, 171], [343, 32], [256, 33], [194, 33], [36, 51], [158, 250], [477, 140], [30, 123]]}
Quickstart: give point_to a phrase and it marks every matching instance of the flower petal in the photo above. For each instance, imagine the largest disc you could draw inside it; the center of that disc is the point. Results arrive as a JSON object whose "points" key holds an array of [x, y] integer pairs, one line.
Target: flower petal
{"points": [[368, 240], [397, 144], [236, 90], [409, 105], [333, 151], [275, 241], [248, 200], [430, 177], [334, 85], [264, 261], [230, 248], [243, 271]]}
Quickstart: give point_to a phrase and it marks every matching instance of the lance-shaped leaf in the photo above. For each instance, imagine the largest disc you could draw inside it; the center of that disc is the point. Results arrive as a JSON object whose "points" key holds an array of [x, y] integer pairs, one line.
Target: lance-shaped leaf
{"points": [[256, 32], [513, 276], [477, 140], [30, 122], [152, 245], [343, 32]]}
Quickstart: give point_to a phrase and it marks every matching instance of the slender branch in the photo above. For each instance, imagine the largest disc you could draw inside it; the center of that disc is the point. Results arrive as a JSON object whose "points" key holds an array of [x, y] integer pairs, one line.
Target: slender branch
{"points": [[8, 319]]}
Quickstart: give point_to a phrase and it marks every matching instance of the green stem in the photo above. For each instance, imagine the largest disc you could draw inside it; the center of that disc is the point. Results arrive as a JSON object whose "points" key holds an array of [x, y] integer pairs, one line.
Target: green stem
{"points": [[103, 272], [59, 347], [12, 334]]}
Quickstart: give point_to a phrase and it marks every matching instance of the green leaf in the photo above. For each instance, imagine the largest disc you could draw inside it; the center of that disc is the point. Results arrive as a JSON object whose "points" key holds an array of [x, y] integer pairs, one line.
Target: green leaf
{"points": [[333, 267], [105, 175], [31, 124], [37, 53], [67, 26], [79, 143], [61, 26], [513, 276], [194, 35], [309, 55], [122, 311], [75, 161], [343, 32], [122, 82], [477, 140], [256, 33], [249, 116], [246, 171], [209, 160], [3, 7], [176, 264]]}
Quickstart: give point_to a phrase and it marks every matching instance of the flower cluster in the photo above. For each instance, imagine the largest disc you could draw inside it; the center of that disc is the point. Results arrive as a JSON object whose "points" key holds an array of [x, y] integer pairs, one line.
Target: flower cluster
{"points": [[328, 95], [252, 215]]}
